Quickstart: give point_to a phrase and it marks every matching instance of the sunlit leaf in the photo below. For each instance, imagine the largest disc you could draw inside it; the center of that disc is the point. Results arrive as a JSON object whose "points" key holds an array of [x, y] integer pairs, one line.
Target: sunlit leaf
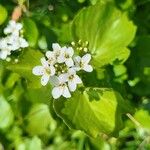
{"points": [[37, 113], [6, 114], [30, 31], [3, 14], [93, 116], [107, 30], [27, 61]]}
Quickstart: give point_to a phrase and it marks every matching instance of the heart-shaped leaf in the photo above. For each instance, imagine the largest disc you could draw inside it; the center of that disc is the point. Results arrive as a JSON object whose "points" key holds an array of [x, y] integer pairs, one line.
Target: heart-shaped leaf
{"points": [[107, 30], [93, 111]]}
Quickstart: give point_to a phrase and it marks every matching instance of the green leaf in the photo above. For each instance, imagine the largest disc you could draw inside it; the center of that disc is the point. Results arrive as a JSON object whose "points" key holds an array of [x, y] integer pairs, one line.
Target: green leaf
{"points": [[34, 143], [3, 14], [143, 117], [30, 31], [91, 115], [37, 113], [29, 144], [27, 61], [6, 114], [107, 30]]}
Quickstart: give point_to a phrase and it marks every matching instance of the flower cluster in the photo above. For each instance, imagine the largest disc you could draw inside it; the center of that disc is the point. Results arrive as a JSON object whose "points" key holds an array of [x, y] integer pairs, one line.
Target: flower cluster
{"points": [[60, 68], [13, 40]]}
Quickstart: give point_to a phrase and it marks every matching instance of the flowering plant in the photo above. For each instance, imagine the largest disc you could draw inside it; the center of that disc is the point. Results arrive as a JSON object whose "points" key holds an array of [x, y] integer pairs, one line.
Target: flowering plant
{"points": [[74, 64], [60, 69], [13, 41]]}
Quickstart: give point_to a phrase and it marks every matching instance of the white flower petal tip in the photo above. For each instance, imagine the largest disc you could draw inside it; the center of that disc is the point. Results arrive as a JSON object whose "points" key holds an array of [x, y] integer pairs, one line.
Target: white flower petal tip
{"points": [[56, 92], [38, 70], [45, 79], [88, 68], [61, 90]]}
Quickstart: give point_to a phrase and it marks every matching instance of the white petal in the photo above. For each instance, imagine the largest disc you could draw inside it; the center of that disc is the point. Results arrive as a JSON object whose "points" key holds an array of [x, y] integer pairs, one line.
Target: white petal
{"points": [[77, 59], [72, 85], [18, 26], [63, 78], [52, 69], [61, 59], [77, 79], [44, 62], [70, 51], [3, 43], [12, 23], [72, 71], [77, 68], [86, 58], [66, 92], [57, 92], [88, 68], [45, 79], [15, 33], [7, 30], [69, 62], [56, 46], [3, 54], [54, 80], [38, 70], [49, 54], [23, 42]]}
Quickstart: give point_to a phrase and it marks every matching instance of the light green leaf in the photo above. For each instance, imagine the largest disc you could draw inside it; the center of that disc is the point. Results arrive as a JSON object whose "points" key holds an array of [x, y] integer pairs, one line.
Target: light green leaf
{"points": [[3, 14], [37, 113], [6, 114], [29, 144], [30, 31], [143, 117], [107, 30], [34, 143], [27, 61], [93, 115]]}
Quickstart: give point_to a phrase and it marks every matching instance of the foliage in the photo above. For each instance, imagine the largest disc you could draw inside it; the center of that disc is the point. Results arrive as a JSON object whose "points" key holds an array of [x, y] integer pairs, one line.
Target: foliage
{"points": [[111, 110]]}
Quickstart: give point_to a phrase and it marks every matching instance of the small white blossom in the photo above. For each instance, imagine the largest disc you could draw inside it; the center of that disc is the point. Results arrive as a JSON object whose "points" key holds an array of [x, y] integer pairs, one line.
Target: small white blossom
{"points": [[23, 43], [46, 71], [73, 79], [5, 49], [51, 57], [66, 56], [60, 70], [61, 89], [83, 63], [13, 28], [13, 41], [56, 50]]}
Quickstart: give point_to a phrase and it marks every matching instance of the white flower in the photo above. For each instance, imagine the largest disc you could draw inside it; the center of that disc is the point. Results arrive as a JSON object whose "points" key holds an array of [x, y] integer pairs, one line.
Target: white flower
{"points": [[4, 54], [82, 63], [66, 56], [12, 41], [61, 88], [16, 42], [56, 50], [13, 28], [73, 79], [46, 71], [51, 57], [23, 43], [5, 49]]}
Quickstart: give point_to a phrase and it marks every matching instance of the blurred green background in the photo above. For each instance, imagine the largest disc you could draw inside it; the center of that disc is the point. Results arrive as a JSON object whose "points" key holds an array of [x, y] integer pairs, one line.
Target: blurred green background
{"points": [[27, 121]]}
